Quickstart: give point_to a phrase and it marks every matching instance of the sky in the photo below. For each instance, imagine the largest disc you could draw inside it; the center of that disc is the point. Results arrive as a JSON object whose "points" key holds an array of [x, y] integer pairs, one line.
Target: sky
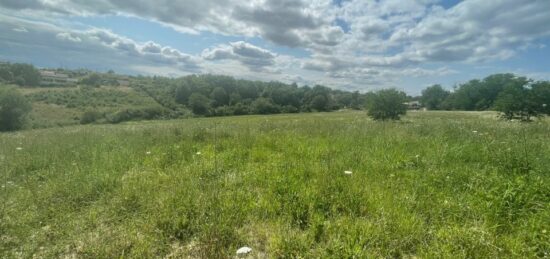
{"points": [[344, 44]]}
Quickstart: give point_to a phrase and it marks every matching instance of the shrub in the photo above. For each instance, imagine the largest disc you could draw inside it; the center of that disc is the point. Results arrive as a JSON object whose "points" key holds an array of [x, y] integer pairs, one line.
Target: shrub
{"points": [[90, 117], [13, 109], [386, 104]]}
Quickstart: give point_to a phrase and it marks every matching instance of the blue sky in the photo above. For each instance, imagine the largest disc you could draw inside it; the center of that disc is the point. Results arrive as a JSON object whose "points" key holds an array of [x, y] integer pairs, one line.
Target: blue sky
{"points": [[346, 44]]}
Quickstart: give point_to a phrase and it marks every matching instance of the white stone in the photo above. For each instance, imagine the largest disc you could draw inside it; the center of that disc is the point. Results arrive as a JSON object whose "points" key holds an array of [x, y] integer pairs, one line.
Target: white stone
{"points": [[244, 250]]}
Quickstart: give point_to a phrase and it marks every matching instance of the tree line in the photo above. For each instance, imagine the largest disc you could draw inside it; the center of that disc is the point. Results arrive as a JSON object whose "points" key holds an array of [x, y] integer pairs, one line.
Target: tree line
{"points": [[514, 96]]}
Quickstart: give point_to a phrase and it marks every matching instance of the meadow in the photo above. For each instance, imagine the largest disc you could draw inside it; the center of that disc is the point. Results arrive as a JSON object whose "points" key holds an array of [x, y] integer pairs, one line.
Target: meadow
{"points": [[433, 185]]}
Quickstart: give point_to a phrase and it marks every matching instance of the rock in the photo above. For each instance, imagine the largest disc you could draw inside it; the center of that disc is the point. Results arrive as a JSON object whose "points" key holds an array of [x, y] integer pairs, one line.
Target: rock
{"points": [[243, 251]]}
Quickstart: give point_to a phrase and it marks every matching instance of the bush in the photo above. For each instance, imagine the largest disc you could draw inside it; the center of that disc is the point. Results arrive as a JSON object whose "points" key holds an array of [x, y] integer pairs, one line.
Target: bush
{"points": [[90, 117], [13, 109], [386, 104], [147, 113], [264, 106]]}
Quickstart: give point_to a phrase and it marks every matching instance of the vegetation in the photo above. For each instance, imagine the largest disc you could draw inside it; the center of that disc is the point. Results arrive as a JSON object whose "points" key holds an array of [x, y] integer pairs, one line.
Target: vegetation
{"points": [[387, 104], [14, 108], [93, 97], [433, 185], [20, 74], [433, 97]]}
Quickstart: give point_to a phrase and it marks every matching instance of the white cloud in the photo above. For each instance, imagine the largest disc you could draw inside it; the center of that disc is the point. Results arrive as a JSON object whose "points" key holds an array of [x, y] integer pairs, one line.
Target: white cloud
{"points": [[253, 57], [384, 41]]}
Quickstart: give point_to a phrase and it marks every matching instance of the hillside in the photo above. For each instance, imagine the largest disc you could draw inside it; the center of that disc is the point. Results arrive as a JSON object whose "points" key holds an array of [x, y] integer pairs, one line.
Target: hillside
{"points": [[435, 185], [62, 106]]}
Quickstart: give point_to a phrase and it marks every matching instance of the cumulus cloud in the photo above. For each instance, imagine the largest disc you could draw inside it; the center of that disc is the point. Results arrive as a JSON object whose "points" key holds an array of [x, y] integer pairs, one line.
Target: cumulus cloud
{"points": [[251, 56], [349, 43], [95, 44]]}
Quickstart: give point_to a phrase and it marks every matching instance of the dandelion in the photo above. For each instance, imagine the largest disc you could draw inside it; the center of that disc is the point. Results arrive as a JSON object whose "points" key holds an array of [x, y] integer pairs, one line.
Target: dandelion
{"points": [[348, 172], [243, 251], [18, 148]]}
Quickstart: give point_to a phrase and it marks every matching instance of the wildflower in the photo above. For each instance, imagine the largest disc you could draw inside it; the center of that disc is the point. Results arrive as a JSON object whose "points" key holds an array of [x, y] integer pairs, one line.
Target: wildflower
{"points": [[148, 152], [18, 148], [199, 153], [243, 251], [474, 131], [348, 172]]}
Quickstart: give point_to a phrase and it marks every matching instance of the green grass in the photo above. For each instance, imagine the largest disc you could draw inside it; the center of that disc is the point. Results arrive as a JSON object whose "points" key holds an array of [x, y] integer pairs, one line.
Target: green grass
{"points": [[65, 106], [434, 185]]}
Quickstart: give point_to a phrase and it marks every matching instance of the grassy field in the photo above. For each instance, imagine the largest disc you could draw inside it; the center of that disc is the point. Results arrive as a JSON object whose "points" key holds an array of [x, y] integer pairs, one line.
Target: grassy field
{"points": [[434, 185]]}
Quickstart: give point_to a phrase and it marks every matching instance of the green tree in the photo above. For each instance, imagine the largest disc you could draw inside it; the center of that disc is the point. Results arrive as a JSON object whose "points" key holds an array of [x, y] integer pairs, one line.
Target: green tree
{"points": [[433, 97], [386, 104], [93, 79], [516, 102], [540, 95], [320, 103], [264, 106], [199, 104], [219, 96], [25, 74], [14, 108]]}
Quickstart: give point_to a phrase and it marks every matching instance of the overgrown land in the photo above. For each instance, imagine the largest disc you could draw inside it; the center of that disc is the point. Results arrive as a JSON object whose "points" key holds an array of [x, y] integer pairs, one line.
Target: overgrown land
{"points": [[433, 185], [61, 97]]}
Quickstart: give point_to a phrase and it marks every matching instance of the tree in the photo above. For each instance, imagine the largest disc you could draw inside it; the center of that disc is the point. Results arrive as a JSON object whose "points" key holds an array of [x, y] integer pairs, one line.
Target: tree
{"points": [[433, 97], [25, 74], [14, 108], [199, 104], [515, 102], [320, 103], [93, 79], [540, 95], [386, 104], [264, 106], [220, 97]]}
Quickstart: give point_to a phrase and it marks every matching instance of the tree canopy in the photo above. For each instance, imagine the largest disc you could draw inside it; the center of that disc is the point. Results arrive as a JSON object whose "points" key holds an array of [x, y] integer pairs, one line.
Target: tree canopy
{"points": [[13, 109], [386, 104]]}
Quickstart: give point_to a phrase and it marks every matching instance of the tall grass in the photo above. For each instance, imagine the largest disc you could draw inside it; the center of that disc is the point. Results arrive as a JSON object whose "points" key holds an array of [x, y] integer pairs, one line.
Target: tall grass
{"points": [[436, 184]]}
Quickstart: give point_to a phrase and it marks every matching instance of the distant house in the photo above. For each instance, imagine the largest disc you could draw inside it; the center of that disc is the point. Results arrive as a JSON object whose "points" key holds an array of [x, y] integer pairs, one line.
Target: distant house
{"points": [[414, 105], [55, 78]]}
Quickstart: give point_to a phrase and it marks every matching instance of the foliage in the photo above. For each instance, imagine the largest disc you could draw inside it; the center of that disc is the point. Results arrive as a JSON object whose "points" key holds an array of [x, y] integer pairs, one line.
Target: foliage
{"points": [[20, 74], [93, 79], [14, 108], [199, 104], [387, 104], [433, 97], [90, 117]]}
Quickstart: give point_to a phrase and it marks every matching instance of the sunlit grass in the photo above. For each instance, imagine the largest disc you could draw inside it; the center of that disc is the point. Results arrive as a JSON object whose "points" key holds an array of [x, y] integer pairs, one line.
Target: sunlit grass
{"points": [[436, 184]]}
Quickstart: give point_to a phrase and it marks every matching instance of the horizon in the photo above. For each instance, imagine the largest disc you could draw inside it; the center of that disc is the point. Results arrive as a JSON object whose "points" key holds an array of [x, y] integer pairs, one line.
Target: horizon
{"points": [[346, 45]]}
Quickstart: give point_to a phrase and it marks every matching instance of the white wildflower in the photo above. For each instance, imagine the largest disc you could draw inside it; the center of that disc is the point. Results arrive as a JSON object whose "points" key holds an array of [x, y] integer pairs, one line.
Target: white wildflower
{"points": [[148, 152], [348, 172], [243, 251], [474, 131], [199, 153], [18, 148]]}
